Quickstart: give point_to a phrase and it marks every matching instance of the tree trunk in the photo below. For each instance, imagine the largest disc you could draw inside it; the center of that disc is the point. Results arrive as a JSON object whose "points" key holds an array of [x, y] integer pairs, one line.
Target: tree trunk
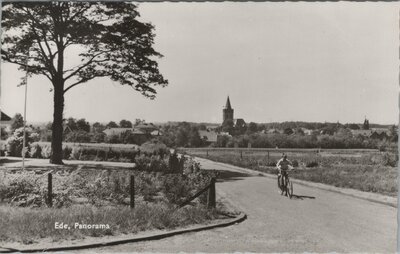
{"points": [[58, 84], [57, 128]]}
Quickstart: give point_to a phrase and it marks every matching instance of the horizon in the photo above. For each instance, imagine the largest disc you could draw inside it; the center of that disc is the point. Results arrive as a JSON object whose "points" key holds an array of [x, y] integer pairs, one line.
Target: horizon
{"points": [[278, 62], [211, 123]]}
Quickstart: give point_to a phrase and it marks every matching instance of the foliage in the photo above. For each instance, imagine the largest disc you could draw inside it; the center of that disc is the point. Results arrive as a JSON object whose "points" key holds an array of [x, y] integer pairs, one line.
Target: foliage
{"points": [[36, 151], [4, 133], [98, 128], [176, 164], [112, 124], [154, 148], [15, 142], [67, 151], [46, 152], [17, 122], [113, 139], [183, 134], [260, 140], [153, 163], [108, 38], [125, 124], [78, 136], [98, 137], [82, 125]]}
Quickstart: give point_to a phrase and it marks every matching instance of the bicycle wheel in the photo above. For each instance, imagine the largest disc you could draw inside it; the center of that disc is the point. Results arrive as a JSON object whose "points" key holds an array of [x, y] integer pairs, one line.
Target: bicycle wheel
{"points": [[279, 183], [290, 188]]}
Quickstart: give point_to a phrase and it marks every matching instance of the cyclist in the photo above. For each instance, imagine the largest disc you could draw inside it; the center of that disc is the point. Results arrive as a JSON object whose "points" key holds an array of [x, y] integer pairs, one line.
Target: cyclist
{"points": [[283, 165]]}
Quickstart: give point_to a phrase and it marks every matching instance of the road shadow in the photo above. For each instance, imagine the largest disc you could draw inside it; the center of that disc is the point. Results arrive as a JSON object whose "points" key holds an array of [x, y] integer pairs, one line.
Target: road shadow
{"points": [[7, 160], [227, 175], [302, 197]]}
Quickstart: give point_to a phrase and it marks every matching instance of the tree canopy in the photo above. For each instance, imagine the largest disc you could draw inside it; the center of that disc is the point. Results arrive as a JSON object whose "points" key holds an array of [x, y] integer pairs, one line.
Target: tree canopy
{"points": [[107, 38], [71, 43]]}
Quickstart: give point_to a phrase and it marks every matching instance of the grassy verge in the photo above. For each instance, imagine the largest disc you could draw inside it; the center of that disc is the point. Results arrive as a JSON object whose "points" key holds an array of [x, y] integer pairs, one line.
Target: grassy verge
{"points": [[367, 172], [99, 195], [28, 225]]}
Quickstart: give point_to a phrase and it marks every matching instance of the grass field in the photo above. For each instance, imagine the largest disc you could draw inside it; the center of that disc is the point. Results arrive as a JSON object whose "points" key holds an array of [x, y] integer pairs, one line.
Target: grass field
{"points": [[364, 170], [97, 194]]}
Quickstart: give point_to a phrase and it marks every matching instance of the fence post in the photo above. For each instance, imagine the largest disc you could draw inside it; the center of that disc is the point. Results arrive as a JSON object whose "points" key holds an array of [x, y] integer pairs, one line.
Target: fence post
{"points": [[207, 152], [241, 154], [50, 190], [211, 194], [268, 157], [132, 191]]}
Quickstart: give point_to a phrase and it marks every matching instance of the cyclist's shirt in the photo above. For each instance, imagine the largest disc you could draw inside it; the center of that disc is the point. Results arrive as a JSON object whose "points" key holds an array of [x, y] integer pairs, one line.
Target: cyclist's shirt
{"points": [[283, 164]]}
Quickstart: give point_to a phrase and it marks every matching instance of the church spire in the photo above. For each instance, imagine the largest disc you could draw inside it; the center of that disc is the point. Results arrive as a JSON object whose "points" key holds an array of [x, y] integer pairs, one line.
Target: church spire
{"points": [[228, 103]]}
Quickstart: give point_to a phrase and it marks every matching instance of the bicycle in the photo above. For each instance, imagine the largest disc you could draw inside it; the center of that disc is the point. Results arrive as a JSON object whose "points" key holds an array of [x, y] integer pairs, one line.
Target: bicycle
{"points": [[287, 184]]}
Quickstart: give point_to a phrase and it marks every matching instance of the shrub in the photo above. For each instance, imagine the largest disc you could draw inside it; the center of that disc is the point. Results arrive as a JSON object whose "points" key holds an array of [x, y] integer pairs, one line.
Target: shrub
{"points": [[390, 159], [67, 152], [15, 142], [79, 136], [36, 151], [46, 152], [154, 148], [311, 164], [152, 163], [75, 153], [176, 164]]}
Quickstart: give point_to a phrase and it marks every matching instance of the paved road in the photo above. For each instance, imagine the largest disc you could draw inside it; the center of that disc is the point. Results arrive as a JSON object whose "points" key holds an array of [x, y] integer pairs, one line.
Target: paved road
{"points": [[315, 221]]}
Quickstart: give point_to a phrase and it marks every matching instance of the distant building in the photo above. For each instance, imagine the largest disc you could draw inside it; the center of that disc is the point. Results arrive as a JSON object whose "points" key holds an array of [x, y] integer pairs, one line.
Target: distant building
{"points": [[375, 133], [140, 130], [227, 112], [5, 121], [366, 124], [274, 131], [227, 115], [306, 131], [208, 136], [116, 131], [146, 128]]}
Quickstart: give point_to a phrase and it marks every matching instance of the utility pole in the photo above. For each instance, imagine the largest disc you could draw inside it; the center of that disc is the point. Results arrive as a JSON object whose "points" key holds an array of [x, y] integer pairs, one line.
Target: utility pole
{"points": [[25, 82]]}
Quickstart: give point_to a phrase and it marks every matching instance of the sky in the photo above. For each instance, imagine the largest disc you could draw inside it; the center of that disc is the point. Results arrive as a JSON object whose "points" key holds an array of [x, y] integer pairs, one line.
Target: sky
{"points": [[278, 62]]}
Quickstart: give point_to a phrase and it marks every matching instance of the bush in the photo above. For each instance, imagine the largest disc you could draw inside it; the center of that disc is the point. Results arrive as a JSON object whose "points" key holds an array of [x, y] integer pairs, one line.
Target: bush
{"points": [[36, 151], [154, 148], [390, 159], [67, 152], [176, 188], [79, 136], [152, 163], [46, 152], [75, 153], [311, 164], [15, 142]]}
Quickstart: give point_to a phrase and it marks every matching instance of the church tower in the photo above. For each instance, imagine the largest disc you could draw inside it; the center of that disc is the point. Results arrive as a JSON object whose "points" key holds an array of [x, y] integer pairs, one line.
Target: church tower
{"points": [[227, 111]]}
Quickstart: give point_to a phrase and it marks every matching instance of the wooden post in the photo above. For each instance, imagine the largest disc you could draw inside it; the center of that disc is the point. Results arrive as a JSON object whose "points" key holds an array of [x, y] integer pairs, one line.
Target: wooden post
{"points": [[132, 191], [268, 157], [207, 152], [241, 154], [211, 194], [50, 190]]}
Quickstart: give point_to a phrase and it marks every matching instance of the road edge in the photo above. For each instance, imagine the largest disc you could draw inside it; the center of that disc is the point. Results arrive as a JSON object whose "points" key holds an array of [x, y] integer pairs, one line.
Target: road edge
{"points": [[241, 217], [369, 196]]}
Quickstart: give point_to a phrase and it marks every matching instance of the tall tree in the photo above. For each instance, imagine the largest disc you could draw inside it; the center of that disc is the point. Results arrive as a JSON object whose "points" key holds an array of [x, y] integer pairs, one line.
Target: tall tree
{"points": [[125, 123], [106, 38], [112, 124], [17, 122], [83, 125]]}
